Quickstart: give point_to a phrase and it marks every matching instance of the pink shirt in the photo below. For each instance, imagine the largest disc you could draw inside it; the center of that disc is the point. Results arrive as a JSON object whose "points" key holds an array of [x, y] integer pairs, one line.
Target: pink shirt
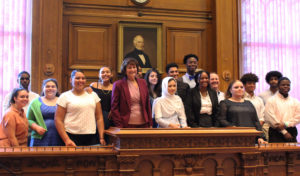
{"points": [[136, 115], [17, 120]]}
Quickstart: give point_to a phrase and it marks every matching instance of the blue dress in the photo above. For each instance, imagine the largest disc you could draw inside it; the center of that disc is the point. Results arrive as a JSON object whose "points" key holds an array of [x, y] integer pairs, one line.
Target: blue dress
{"points": [[51, 136]]}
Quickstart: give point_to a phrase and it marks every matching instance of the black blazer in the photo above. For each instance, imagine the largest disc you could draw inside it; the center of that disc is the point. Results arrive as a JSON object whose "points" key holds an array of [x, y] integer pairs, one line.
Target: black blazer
{"points": [[135, 54], [183, 91], [195, 104]]}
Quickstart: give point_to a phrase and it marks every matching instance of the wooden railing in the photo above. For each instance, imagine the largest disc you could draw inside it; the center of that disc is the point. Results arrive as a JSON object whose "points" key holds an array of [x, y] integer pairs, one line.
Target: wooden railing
{"points": [[203, 151]]}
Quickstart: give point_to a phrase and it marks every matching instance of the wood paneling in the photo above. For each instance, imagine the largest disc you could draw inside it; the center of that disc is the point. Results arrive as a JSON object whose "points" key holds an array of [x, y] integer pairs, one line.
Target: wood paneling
{"points": [[83, 34], [189, 41], [88, 45], [46, 41], [227, 40], [189, 5]]}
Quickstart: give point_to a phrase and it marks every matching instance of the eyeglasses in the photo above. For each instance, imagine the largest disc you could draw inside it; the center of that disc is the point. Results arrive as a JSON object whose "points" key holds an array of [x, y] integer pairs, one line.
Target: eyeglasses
{"points": [[24, 78]]}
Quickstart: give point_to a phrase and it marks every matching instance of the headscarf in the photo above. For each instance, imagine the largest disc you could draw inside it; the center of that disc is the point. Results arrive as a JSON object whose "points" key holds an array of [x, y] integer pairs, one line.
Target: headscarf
{"points": [[170, 103]]}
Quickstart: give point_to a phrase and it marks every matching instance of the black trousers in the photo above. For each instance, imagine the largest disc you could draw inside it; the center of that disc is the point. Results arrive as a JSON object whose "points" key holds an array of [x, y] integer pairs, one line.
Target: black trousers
{"points": [[205, 120], [84, 139], [277, 137]]}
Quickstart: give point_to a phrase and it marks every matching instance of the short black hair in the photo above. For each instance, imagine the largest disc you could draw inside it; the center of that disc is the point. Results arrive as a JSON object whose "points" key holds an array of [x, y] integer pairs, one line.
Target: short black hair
{"points": [[283, 78], [198, 74], [249, 77], [273, 74], [23, 72], [170, 65], [186, 57]]}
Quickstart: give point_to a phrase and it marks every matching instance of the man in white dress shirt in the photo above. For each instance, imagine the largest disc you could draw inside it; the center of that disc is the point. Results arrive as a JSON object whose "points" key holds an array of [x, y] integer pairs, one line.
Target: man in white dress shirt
{"points": [[272, 79], [214, 82], [191, 62], [283, 114]]}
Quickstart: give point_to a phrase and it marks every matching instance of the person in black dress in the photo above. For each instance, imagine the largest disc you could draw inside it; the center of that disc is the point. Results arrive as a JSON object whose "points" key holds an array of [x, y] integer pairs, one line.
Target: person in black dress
{"points": [[103, 88], [203, 102], [236, 111]]}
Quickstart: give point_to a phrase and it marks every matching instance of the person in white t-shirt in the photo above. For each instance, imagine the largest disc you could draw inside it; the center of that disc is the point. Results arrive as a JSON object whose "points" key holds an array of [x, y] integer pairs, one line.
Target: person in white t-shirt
{"points": [[79, 114]]}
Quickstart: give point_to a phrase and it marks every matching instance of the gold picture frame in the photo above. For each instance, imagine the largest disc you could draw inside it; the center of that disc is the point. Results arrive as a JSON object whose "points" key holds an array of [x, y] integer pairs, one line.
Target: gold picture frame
{"points": [[152, 34]]}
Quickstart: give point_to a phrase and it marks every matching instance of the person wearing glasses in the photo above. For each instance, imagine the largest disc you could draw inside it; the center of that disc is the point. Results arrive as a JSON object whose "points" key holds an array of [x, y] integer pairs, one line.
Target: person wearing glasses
{"points": [[23, 81]]}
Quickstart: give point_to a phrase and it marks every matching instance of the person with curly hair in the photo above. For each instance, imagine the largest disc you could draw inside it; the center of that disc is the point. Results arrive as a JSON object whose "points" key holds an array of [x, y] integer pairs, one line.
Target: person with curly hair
{"points": [[272, 79], [249, 80]]}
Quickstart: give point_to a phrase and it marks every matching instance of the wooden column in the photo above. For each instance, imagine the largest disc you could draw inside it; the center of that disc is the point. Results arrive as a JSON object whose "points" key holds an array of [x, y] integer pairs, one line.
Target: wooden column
{"points": [[227, 41], [46, 42]]}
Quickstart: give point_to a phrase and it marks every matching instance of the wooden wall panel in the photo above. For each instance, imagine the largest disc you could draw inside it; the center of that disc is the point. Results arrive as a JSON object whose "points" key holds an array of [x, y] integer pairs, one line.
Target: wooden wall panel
{"points": [[182, 42], [88, 45], [185, 41], [61, 34]]}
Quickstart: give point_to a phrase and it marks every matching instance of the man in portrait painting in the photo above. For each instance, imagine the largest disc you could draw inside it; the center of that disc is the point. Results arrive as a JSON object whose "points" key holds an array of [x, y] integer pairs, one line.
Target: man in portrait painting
{"points": [[138, 53]]}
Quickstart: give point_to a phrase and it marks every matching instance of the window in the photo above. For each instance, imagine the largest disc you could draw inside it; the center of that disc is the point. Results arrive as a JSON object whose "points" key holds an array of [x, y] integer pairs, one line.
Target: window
{"points": [[270, 40], [15, 43]]}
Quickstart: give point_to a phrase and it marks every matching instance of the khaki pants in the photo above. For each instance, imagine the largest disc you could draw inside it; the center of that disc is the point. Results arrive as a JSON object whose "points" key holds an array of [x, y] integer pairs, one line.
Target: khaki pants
{"points": [[265, 129]]}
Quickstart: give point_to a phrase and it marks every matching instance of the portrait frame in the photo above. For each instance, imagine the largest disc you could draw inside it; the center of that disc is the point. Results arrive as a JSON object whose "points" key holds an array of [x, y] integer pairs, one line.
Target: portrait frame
{"points": [[152, 34]]}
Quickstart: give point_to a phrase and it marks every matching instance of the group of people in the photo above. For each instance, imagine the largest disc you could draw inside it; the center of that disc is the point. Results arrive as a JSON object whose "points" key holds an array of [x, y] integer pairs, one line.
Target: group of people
{"points": [[80, 115]]}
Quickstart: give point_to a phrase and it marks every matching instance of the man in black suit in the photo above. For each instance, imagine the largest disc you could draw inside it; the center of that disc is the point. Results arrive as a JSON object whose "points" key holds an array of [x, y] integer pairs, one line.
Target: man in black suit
{"points": [[138, 52]]}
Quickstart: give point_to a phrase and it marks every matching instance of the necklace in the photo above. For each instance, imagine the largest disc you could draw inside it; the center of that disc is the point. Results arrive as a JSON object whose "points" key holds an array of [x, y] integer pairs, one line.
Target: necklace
{"points": [[106, 92]]}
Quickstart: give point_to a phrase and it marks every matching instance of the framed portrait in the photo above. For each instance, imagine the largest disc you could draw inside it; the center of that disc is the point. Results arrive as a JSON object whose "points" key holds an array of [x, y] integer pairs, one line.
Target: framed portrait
{"points": [[142, 41]]}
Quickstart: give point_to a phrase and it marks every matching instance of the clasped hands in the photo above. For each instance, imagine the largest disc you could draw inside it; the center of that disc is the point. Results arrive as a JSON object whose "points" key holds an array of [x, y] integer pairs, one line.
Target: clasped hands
{"points": [[280, 127]]}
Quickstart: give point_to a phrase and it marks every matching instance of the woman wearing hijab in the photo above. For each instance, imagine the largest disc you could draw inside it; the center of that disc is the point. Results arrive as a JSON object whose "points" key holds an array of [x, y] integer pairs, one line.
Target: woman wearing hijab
{"points": [[168, 109]]}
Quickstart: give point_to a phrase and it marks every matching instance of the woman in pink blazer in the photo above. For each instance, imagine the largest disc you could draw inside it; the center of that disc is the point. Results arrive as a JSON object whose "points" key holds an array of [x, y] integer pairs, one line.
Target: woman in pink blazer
{"points": [[130, 105]]}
